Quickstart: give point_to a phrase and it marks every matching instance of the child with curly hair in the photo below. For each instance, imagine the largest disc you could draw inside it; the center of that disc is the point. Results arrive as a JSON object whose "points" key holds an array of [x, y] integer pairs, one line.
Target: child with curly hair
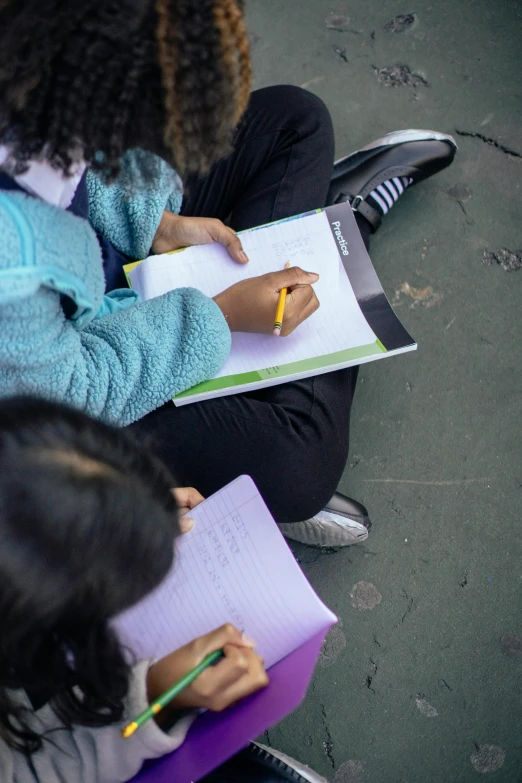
{"points": [[101, 103]]}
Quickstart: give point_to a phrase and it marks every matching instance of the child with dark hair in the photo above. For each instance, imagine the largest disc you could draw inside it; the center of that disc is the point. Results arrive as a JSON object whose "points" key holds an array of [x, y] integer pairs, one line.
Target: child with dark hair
{"points": [[87, 525], [101, 101]]}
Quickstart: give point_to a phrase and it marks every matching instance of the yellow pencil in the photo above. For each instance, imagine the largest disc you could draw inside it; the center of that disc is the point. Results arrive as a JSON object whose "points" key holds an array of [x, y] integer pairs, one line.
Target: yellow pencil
{"points": [[278, 322]]}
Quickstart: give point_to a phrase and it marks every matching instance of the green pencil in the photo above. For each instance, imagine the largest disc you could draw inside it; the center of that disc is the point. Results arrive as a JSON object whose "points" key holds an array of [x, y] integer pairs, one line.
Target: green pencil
{"points": [[170, 694]]}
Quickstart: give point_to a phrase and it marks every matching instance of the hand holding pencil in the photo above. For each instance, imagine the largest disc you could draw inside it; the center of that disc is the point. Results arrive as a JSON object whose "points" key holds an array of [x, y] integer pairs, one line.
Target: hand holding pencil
{"points": [[251, 304], [212, 672]]}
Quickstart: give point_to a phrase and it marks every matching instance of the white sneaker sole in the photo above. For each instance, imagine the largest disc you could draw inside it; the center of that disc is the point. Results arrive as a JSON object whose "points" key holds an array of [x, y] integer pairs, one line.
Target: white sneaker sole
{"points": [[401, 137], [326, 529], [305, 772]]}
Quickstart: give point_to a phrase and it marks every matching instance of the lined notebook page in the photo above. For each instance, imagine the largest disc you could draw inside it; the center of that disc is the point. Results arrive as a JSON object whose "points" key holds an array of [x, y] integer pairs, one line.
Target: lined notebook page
{"points": [[233, 566], [306, 242]]}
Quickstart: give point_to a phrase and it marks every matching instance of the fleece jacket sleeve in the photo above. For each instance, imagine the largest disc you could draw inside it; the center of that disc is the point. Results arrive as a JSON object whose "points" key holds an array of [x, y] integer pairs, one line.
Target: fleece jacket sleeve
{"points": [[119, 367], [128, 212]]}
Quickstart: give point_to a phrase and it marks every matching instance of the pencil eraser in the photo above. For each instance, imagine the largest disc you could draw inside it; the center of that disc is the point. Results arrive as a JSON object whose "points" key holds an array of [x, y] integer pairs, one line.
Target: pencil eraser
{"points": [[276, 332]]}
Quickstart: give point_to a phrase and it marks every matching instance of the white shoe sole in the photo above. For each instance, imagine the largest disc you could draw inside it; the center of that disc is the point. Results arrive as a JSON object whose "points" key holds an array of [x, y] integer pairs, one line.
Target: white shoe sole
{"points": [[326, 529], [305, 772], [401, 137]]}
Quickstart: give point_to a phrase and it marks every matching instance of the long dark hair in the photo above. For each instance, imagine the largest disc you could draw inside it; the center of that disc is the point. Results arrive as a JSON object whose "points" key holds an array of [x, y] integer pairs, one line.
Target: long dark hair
{"points": [[93, 78], [87, 523]]}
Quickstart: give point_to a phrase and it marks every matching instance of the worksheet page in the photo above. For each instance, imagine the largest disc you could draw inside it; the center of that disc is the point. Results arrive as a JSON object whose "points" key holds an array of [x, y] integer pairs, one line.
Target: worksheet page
{"points": [[233, 566], [306, 242]]}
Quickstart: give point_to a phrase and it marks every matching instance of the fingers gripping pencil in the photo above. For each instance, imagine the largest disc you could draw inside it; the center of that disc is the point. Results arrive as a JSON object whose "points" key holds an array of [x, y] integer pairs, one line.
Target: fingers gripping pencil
{"points": [[170, 694], [278, 321]]}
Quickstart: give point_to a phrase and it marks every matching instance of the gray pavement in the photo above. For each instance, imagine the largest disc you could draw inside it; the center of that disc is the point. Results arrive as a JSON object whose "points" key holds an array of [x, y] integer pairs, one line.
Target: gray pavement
{"points": [[422, 679]]}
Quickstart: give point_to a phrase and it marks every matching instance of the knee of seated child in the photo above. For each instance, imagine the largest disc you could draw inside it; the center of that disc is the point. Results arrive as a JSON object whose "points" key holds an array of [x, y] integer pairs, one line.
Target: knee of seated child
{"points": [[307, 110], [297, 498]]}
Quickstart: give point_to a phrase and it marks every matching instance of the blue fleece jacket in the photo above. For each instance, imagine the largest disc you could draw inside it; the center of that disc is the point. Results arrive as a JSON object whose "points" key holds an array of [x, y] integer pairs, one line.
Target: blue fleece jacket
{"points": [[116, 359]]}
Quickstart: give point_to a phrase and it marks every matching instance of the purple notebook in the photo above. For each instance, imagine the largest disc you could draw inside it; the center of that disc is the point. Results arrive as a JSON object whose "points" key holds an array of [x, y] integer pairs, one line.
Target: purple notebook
{"points": [[234, 566], [214, 738]]}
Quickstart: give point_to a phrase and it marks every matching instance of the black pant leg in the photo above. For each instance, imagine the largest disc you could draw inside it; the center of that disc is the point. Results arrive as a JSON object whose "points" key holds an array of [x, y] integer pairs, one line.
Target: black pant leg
{"points": [[280, 165], [292, 439]]}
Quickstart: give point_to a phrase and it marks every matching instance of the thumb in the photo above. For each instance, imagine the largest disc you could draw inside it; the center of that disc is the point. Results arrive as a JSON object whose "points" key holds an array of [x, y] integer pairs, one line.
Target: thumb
{"points": [[229, 239], [185, 523], [293, 276]]}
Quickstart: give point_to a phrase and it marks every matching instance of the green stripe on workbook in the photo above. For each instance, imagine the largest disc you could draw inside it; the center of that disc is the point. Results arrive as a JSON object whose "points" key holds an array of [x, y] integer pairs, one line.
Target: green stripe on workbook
{"points": [[283, 370]]}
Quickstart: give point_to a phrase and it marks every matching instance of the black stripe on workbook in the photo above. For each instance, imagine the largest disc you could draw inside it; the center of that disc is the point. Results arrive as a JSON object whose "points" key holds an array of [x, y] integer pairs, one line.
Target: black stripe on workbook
{"points": [[363, 278]]}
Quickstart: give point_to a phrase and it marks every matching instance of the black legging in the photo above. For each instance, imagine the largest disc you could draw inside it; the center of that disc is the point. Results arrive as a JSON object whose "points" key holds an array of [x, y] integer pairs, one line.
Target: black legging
{"points": [[293, 438]]}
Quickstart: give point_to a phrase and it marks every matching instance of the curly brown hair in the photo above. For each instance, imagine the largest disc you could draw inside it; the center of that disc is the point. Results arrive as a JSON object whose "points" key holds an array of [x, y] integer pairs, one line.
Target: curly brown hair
{"points": [[93, 78]]}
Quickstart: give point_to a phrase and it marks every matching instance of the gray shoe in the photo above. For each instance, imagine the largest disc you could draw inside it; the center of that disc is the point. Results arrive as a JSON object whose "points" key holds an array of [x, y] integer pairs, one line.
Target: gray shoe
{"points": [[269, 755], [342, 522]]}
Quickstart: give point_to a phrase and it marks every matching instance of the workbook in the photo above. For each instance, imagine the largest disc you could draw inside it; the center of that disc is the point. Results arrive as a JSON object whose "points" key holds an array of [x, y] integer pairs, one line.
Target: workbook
{"points": [[233, 566], [354, 324]]}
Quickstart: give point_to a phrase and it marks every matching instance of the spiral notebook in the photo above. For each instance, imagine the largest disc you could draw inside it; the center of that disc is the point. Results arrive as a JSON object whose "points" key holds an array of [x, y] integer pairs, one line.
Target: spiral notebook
{"points": [[233, 566], [354, 324]]}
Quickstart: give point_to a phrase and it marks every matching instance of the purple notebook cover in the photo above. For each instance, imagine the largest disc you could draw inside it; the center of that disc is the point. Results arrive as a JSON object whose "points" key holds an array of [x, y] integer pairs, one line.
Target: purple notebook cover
{"points": [[214, 738]]}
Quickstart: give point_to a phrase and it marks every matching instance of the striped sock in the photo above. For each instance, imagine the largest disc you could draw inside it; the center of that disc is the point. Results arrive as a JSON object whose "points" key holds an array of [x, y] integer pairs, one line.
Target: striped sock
{"points": [[384, 196]]}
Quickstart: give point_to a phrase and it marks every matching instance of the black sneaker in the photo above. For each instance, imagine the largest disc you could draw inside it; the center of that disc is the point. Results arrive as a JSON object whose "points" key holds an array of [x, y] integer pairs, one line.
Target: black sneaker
{"points": [[373, 178]]}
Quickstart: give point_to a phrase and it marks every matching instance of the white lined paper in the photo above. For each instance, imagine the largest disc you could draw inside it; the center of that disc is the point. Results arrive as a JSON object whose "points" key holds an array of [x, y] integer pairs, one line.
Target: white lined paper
{"points": [[233, 566]]}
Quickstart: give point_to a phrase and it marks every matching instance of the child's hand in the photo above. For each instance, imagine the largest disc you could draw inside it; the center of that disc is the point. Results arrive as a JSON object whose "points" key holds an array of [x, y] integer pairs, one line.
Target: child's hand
{"points": [[186, 498], [238, 674], [176, 231], [250, 305]]}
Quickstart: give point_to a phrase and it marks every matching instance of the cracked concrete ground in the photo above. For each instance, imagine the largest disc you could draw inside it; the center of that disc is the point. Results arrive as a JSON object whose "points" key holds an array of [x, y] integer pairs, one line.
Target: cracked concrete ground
{"points": [[424, 684]]}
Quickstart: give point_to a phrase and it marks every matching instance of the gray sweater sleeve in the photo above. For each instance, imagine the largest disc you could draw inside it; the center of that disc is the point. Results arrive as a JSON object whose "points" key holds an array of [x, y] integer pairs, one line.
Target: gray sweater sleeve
{"points": [[93, 755]]}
